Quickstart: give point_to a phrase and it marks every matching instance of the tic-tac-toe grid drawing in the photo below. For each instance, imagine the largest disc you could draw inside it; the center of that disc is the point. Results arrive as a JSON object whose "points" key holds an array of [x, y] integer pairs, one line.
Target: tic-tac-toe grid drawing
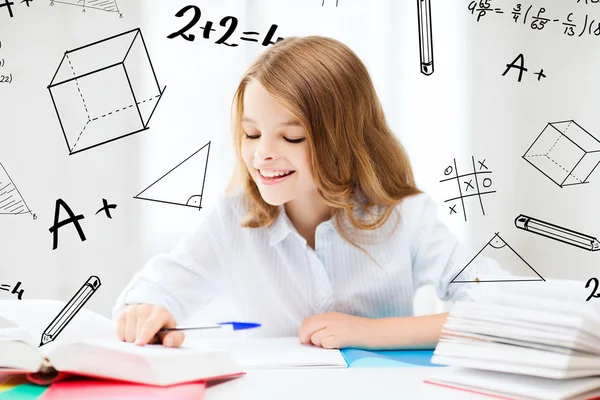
{"points": [[105, 91], [466, 189]]}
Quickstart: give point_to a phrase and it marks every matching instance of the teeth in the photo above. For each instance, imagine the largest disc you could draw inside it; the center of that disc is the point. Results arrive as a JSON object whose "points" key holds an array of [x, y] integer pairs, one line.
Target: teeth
{"points": [[273, 174]]}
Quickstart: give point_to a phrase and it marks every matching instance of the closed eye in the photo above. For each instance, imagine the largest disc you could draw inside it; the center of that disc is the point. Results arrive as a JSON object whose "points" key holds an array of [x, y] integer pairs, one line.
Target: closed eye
{"points": [[295, 140], [252, 136]]}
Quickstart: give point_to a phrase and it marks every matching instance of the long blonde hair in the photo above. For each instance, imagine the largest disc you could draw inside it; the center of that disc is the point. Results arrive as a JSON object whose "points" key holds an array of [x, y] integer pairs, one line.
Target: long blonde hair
{"points": [[354, 156]]}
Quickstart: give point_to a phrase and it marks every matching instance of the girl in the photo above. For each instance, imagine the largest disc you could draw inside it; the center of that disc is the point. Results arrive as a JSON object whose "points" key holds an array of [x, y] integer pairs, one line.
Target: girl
{"points": [[323, 233]]}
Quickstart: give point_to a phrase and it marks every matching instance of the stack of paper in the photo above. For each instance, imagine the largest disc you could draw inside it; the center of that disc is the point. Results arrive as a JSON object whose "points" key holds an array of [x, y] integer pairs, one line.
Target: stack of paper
{"points": [[539, 329]]}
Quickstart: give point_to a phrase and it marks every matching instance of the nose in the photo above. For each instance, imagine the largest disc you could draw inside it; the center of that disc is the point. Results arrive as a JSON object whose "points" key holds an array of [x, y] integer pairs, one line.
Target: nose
{"points": [[264, 151]]}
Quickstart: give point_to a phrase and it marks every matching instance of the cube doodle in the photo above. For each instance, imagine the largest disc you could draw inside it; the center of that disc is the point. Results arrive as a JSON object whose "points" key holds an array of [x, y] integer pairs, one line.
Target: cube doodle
{"points": [[105, 91], [564, 152]]}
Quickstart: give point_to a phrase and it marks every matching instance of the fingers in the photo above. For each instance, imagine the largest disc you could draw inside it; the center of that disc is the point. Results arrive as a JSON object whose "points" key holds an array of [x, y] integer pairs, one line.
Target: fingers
{"points": [[130, 326], [173, 338], [121, 321], [331, 342], [157, 319], [319, 335], [141, 324], [309, 326]]}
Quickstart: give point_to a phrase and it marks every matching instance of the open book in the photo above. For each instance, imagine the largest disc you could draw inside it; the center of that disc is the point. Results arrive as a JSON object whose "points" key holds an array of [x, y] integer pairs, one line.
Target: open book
{"points": [[88, 346]]}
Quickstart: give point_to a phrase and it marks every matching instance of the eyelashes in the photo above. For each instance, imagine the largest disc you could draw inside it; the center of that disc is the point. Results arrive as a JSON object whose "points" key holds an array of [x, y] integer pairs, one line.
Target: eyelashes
{"points": [[300, 140], [295, 140]]}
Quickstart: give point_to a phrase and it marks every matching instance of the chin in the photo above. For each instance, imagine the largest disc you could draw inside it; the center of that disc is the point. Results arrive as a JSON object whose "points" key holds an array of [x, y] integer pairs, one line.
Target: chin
{"points": [[273, 200]]}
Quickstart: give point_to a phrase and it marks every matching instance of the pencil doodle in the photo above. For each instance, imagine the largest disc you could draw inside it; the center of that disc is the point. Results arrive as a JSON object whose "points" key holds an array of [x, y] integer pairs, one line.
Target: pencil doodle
{"points": [[6, 288], [595, 294], [556, 232], [425, 36], [11, 200], [565, 153], [92, 112], [470, 185], [109, 6], [229, 21], [537, 19], [498, 248], [70, 310], [181, 185]]}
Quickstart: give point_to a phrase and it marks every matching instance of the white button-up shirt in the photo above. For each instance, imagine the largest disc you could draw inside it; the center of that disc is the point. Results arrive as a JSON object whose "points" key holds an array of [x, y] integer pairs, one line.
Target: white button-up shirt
{"points": [[276, 279]]}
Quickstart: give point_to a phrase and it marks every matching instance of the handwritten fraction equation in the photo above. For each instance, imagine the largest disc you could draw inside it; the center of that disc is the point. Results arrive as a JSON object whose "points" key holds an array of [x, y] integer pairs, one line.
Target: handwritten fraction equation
{"points": [[537, 18], [6, 287], [229, 22], [470, 185], [5, 77], [8, 5]]}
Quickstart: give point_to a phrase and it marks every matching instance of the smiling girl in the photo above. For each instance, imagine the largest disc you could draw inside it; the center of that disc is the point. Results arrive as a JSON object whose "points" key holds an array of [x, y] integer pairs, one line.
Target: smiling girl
{"points": [[323, 233]]}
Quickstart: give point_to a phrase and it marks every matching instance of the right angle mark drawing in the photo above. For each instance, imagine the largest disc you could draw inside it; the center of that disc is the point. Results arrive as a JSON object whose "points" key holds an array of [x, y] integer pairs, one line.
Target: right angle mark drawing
{"points": [[565, 153], [109, 6], [425, 36], [183, 185], [105, 91], [494, 249], [11, 201]]}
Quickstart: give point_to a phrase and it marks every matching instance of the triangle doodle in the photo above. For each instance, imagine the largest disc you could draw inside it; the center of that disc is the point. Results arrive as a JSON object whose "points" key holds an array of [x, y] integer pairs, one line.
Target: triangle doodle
{"points": [[11, 201], [498, 248], [183, 185]]}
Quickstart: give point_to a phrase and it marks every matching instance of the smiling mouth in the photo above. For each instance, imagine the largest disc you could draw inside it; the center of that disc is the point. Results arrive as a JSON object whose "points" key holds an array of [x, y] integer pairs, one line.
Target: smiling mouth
{"points": [[276, 175]]}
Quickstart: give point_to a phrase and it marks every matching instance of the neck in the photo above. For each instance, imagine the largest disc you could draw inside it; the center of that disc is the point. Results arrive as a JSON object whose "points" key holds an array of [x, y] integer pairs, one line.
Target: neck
{"points": [[306, 214]]}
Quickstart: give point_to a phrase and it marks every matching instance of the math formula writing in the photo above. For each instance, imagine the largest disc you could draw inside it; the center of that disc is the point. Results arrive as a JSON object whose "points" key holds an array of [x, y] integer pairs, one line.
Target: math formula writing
{"points": [[539, 18], [229, 22], [594, 293], [5, 77], [15, 290]]}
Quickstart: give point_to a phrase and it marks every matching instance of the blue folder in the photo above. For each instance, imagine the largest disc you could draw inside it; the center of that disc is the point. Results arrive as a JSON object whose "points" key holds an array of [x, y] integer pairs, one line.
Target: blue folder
{"points": [[388, 358]]}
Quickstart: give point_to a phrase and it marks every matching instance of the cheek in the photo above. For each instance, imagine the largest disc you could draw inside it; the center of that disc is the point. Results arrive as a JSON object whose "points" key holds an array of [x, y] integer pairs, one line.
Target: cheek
{"points": [[247, 153]]}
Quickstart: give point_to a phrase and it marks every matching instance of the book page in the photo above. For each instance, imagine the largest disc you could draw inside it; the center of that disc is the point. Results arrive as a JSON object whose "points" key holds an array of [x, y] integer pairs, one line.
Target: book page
{"points": [[34, 316], [282, 352]]}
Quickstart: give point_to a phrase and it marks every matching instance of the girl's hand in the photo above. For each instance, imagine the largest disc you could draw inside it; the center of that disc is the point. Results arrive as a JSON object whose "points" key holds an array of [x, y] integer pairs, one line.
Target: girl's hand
{"points": [[140, 323], [335, 330]]}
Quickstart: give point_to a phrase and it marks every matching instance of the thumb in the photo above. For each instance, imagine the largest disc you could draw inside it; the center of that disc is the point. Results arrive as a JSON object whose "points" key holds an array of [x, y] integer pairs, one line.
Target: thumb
{"points": [[174, 338]]}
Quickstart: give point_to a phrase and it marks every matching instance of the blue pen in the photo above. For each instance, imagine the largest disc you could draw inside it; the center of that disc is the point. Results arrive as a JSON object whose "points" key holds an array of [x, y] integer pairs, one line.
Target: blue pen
{"points": [[237, 326]]}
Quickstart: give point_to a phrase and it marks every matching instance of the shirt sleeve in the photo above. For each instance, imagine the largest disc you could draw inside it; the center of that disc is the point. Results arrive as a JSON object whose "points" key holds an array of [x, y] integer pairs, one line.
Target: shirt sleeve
{"points": [[438, 257], [187, 277]]}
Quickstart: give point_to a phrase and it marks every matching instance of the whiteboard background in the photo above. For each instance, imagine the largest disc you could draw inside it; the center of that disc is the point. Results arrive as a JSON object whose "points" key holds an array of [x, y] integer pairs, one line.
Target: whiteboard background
{"points": [[466, 108]]}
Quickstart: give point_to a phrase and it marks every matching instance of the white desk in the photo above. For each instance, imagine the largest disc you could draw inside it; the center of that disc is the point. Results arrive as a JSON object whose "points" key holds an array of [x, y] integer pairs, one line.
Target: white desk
{"points": [[338, 383]]}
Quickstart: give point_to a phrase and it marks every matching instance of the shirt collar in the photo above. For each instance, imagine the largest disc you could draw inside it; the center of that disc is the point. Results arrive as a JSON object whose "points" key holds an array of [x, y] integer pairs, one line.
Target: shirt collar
{"points": [[282, 227]]}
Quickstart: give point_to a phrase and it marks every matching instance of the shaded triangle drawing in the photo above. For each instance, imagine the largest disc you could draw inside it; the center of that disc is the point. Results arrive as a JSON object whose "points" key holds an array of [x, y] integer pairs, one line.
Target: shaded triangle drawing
{"points": [[183, 185], [498, 249], [102, 5], [11, 201]]}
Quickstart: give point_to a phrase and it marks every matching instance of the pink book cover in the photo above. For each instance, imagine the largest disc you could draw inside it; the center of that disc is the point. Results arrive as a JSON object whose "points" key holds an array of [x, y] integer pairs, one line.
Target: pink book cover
{"points": [[83, 388]]}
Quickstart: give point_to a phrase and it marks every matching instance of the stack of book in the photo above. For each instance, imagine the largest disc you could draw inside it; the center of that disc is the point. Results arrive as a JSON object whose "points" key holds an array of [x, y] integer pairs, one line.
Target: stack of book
{"points": [[537, 340]]}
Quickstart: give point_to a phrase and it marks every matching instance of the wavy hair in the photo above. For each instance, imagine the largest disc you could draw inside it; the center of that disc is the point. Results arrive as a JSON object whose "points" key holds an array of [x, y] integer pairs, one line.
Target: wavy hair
{"points": [[355, 159]]}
